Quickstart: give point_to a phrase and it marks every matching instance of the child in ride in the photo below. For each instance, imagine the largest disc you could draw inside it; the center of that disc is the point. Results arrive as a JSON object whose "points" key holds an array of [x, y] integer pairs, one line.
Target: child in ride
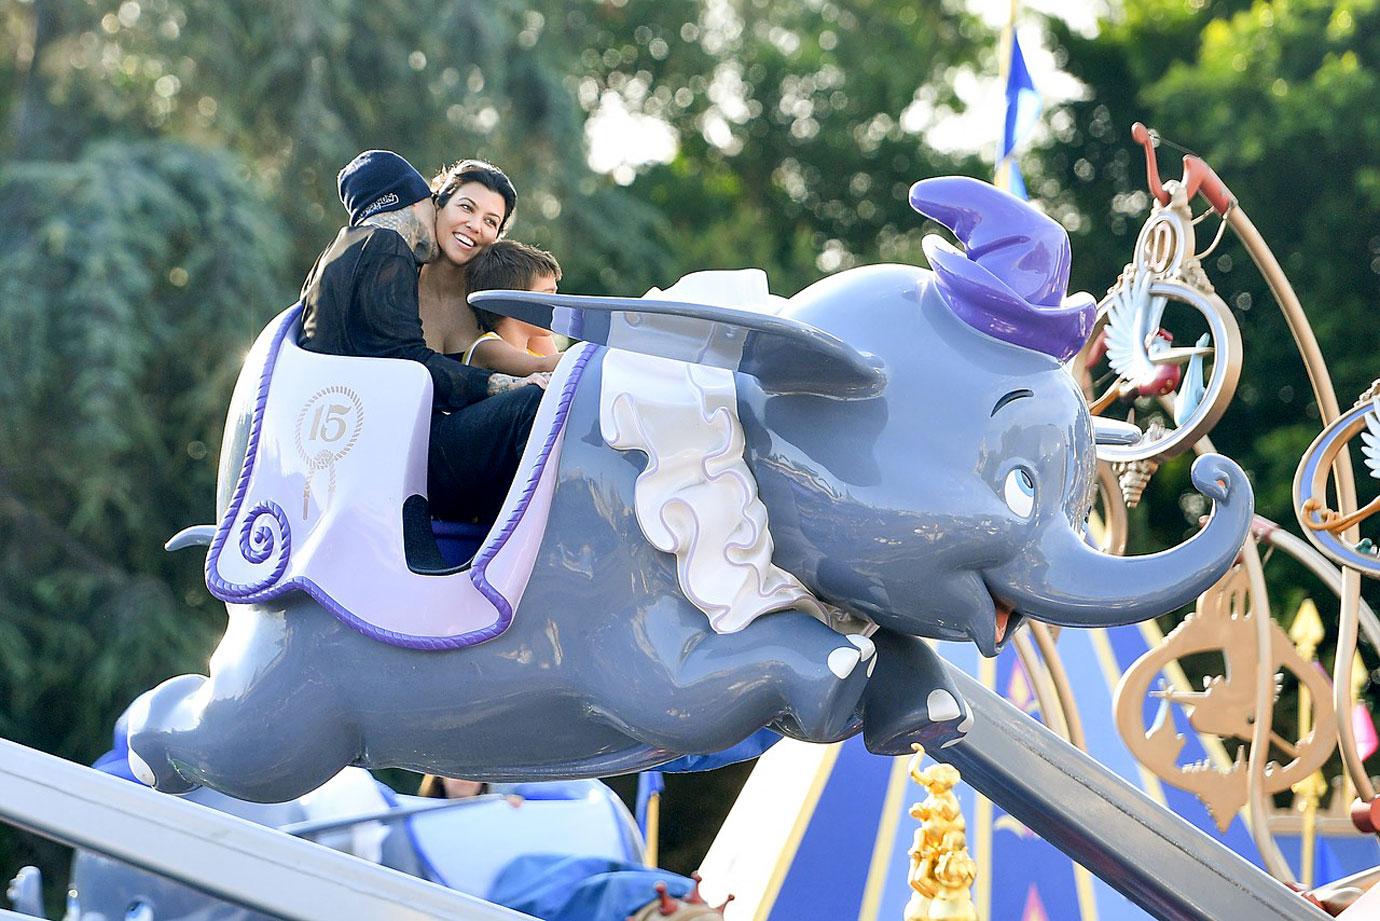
{"points": [[509, 345]]}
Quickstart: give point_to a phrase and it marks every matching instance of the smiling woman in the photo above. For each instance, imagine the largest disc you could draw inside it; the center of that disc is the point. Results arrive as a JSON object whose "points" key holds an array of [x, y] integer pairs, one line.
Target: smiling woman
{"points": [[474, 205]]}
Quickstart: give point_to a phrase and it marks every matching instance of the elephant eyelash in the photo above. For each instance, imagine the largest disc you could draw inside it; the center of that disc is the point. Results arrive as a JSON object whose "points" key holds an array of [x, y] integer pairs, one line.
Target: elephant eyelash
{"points": [[1011, 397]]}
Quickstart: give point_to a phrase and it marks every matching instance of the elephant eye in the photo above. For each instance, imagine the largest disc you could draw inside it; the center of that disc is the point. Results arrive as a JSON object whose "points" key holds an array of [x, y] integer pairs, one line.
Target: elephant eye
{"points": [[1019, 492]]}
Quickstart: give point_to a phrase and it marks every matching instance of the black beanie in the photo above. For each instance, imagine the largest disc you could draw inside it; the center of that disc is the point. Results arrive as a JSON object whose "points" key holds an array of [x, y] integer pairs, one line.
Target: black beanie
{"points": [[377, 181]]}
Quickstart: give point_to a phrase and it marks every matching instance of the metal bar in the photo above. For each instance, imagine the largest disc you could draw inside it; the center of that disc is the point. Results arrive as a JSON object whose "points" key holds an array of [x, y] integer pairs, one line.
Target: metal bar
{"points": [[1051, 704], [221, 854], [1044, 640], [1308, 556], [387, 816], [1257, 801], [1147, 853]]}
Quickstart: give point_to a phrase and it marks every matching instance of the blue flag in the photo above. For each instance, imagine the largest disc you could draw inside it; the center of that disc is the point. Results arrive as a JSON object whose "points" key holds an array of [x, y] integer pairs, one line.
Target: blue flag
{"points": [[1022, 111]]}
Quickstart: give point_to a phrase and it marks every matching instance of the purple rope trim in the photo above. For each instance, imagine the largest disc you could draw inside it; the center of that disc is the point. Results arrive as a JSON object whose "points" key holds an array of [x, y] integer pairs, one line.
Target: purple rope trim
{"points": [[479, 571], [218, 586], [269, 589]]}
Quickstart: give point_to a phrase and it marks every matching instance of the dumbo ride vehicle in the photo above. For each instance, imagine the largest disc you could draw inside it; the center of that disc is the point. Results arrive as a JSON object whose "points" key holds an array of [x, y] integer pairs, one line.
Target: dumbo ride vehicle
{"points": [[734, 511]]}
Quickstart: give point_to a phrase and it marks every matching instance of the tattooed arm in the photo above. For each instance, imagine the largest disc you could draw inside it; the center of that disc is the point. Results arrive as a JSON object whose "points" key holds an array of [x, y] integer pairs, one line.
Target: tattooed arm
{"points": [[502, 383]]}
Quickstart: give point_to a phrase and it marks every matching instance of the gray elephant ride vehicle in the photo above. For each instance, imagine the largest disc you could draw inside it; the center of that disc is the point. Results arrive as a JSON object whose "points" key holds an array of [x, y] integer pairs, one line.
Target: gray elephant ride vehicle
{"points": [[735, 511]]}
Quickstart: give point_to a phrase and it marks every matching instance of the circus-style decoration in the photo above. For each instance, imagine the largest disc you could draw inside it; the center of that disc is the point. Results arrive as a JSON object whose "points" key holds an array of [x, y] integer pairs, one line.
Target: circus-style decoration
{"points": [[1133, 353], [1179, 395], [1224, 623]]}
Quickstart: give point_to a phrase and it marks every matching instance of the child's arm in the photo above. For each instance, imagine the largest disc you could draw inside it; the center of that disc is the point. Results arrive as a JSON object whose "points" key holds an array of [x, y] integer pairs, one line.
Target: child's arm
{"points": [[497, 355], [542, 345]]}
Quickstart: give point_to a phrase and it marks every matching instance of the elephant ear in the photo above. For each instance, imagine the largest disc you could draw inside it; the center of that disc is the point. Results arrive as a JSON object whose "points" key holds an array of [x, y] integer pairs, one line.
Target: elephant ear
{"points": [[787, 356]]}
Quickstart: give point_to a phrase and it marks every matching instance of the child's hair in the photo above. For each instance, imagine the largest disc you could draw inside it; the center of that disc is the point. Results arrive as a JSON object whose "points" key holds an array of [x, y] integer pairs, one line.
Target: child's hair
{"points": [[510, 265], [444, 184]]}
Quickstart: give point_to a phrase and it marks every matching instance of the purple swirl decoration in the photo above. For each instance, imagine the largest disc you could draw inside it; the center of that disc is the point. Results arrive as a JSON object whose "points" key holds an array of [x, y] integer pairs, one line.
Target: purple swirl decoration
{"points": [[258, 545], [256, 539]]}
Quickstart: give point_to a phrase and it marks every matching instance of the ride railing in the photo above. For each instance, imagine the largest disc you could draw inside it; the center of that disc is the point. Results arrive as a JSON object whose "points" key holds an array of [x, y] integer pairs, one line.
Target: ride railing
{"points": [[1147, 853], [236, 860]]}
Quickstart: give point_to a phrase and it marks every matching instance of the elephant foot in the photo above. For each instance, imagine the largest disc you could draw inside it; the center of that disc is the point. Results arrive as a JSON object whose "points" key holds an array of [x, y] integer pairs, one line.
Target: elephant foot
{"points": [[911, 699], [827, 710], [153, 719]]}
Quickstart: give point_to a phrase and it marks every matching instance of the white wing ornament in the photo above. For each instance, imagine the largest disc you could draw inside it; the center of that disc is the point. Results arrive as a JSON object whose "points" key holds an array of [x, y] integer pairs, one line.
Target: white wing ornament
{"points": [[1133, 318], [1370, 439]]}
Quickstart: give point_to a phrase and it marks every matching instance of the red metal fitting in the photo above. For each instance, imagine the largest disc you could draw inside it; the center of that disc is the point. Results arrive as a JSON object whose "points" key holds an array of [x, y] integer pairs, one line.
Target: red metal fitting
{"points": [[1366, 816]]}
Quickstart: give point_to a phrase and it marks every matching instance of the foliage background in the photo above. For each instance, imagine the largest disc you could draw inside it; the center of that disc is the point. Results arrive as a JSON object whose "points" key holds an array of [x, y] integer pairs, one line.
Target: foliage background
{"points": [[167, 176]]}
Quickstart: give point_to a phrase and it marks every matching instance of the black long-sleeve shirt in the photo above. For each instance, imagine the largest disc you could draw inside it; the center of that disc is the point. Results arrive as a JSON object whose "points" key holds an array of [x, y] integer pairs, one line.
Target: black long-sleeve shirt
{"points": [[361, 299]]}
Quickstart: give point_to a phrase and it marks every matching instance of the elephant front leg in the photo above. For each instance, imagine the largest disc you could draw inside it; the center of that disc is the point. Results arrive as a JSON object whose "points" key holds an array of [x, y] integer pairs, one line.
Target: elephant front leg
{"points": [[785, 669], [911, 698]]}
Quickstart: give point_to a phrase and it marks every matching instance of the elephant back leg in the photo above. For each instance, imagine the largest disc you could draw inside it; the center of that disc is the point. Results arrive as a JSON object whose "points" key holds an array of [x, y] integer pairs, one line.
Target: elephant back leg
{"points": [[268, 725], [704, 692]]}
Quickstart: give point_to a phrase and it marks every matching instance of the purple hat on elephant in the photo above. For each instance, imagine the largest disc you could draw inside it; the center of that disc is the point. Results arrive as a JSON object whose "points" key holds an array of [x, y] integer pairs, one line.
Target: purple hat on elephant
{"points": [[1011, 281], [377, 181]]}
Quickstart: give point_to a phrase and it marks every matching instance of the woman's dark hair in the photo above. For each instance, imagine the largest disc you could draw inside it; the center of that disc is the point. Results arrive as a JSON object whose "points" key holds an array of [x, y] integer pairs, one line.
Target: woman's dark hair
{"points": [[444, 184]]}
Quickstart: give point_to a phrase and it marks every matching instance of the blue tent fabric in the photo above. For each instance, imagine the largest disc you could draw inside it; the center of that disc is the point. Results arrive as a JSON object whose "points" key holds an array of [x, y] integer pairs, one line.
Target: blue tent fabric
{"points": [[555, 887], [751, 747]]}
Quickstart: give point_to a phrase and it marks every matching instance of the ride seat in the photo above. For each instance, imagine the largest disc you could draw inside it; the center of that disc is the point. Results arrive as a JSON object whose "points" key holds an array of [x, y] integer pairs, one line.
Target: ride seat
{"points": [[331, 498]]}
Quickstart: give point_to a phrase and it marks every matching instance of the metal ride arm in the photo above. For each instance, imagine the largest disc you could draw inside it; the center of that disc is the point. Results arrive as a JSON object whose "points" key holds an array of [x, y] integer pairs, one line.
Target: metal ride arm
{"points": [[236, 860], [1150, 855], [1342, 480]]}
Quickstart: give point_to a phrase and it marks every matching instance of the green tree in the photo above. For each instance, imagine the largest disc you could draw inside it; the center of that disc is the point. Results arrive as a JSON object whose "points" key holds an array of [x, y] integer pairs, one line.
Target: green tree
{"points": [[167, 178], [794, 153], [121, 327]]}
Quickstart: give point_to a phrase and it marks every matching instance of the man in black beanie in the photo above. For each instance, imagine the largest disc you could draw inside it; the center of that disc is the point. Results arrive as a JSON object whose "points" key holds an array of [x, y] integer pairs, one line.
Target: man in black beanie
{"points": [[360, 299]]}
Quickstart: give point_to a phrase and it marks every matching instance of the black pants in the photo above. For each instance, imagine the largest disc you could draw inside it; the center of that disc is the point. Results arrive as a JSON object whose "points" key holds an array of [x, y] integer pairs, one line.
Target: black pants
{"points": [[475, 452]]}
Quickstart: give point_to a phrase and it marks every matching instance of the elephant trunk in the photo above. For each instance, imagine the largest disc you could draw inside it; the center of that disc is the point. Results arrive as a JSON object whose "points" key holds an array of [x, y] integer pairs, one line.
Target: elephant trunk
{"points": [[1061, 580]]}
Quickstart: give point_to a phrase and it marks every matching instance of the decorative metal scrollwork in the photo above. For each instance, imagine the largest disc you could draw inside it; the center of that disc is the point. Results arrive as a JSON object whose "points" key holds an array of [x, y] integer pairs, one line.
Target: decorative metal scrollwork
{"points": [[1324, 527], [1132, 355], [1225, 707]]}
